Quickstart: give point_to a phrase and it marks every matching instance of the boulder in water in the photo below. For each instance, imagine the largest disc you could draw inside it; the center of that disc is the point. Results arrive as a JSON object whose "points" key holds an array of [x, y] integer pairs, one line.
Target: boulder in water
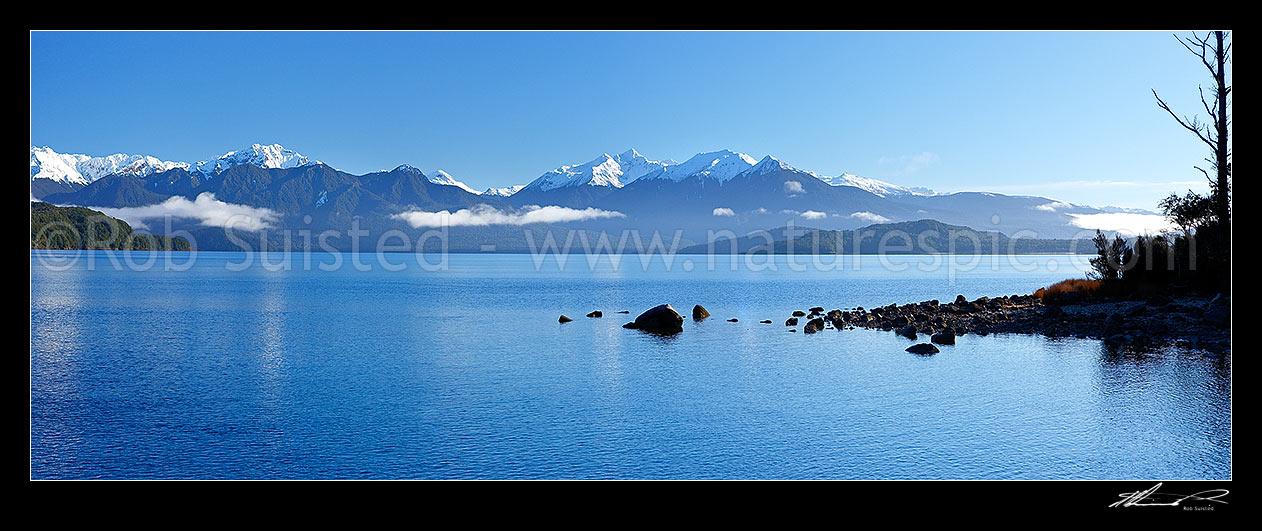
{"points": [[923, 348], [945, 337], [660, 319]]}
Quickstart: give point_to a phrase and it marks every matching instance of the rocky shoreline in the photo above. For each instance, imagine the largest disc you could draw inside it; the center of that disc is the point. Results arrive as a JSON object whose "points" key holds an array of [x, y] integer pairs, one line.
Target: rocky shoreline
{"points": [[1196, 322]]}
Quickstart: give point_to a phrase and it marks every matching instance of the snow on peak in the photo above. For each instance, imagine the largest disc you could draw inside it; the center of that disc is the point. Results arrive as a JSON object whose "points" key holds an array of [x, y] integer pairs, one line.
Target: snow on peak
{"points": [[445, 179], [83, 169], [769, 164], [634, 165], [718, 165], [505, 191], [604, 170], [263, 156], [874, 186]]}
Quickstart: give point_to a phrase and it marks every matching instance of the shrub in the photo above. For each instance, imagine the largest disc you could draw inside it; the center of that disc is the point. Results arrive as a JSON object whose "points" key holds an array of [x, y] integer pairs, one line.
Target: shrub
{"points": [[1086, 287]]}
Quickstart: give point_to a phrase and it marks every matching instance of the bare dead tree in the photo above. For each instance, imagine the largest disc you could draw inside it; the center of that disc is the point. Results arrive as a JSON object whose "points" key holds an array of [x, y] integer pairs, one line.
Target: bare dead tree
{"points": [[1215, 53]]}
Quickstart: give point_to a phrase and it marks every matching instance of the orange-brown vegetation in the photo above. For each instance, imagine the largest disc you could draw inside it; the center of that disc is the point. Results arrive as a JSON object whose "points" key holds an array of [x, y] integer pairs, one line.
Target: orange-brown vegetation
{"points": [[1074, 285]]}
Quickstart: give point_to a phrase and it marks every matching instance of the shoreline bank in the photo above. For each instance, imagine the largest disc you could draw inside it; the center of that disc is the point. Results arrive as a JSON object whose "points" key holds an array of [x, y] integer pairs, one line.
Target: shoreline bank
{"points": [[1197, 322]]}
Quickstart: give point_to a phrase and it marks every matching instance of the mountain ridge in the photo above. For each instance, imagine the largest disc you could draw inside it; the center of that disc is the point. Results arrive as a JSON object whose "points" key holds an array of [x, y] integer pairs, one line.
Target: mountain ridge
{"points": [[716, 190]]}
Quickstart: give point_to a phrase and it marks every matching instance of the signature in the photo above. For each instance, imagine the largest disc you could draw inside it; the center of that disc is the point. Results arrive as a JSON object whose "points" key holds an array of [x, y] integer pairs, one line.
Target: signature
{"points": [[1152, 498]]}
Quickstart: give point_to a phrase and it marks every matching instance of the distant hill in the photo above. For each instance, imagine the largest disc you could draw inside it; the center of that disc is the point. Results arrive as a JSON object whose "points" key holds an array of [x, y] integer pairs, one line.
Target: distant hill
{"points": [[924, 236], [54, 227]]}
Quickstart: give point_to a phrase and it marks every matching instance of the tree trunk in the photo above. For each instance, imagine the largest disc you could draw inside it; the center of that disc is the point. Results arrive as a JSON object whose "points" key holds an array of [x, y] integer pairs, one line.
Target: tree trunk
{"points": [[1223, 204]]}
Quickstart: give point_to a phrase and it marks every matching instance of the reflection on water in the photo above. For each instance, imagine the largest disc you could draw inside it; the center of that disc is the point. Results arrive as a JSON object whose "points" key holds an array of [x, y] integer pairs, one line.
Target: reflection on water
{"points": [[209, 373]]}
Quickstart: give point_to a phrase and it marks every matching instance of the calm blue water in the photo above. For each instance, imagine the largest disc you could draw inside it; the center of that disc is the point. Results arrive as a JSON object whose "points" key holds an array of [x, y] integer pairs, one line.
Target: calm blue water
{"points": [[465, 373]]}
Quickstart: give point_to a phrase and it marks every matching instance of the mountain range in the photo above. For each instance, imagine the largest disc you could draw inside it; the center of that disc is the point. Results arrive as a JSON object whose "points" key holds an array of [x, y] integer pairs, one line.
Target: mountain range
{"points": [[711, 191]]}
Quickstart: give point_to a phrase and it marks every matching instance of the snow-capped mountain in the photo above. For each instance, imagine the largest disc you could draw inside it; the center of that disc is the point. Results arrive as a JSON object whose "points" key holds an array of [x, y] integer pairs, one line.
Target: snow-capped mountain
{"points": [[718, 165], [83, 169], [263, 156], [768, 164], [880, 188], [605, 170], [718, 189], [634, 165], [444, 178], [503, 192]]}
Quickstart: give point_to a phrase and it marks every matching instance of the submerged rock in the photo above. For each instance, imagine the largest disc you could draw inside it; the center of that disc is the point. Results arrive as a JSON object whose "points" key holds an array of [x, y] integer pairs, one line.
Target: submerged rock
{"points": [[945, 337], [699, 312], [564, 319], [908, 332], [923, 348], [660, 319]]}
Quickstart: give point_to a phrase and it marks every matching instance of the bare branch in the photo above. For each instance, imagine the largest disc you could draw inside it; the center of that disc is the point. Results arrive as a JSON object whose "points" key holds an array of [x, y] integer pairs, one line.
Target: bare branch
{"points": [[1208, 108], [1195, 127], [1207, 177], [1202, 45]]}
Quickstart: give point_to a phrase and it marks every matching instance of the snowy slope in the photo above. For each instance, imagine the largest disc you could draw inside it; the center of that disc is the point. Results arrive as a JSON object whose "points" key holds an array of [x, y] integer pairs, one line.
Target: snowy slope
{"points": [[505, 191], [634, 165], [880, 188], [264, 156], [769, 164], [444, 178], [605, 170], [83, 169], [718, 165]]}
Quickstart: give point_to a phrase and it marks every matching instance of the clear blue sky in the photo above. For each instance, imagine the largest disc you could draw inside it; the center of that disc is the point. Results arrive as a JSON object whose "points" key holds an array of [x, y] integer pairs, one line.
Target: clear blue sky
{"points": [[1068, 115]]}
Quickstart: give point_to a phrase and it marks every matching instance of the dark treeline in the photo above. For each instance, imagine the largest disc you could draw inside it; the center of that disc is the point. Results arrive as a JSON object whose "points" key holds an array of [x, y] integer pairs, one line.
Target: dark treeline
{"points": [[1162, 263], [55, 227]]}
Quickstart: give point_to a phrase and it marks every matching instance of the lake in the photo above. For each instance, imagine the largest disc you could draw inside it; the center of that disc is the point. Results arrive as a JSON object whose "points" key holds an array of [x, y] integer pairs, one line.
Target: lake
{"points": [[228, 367]]}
